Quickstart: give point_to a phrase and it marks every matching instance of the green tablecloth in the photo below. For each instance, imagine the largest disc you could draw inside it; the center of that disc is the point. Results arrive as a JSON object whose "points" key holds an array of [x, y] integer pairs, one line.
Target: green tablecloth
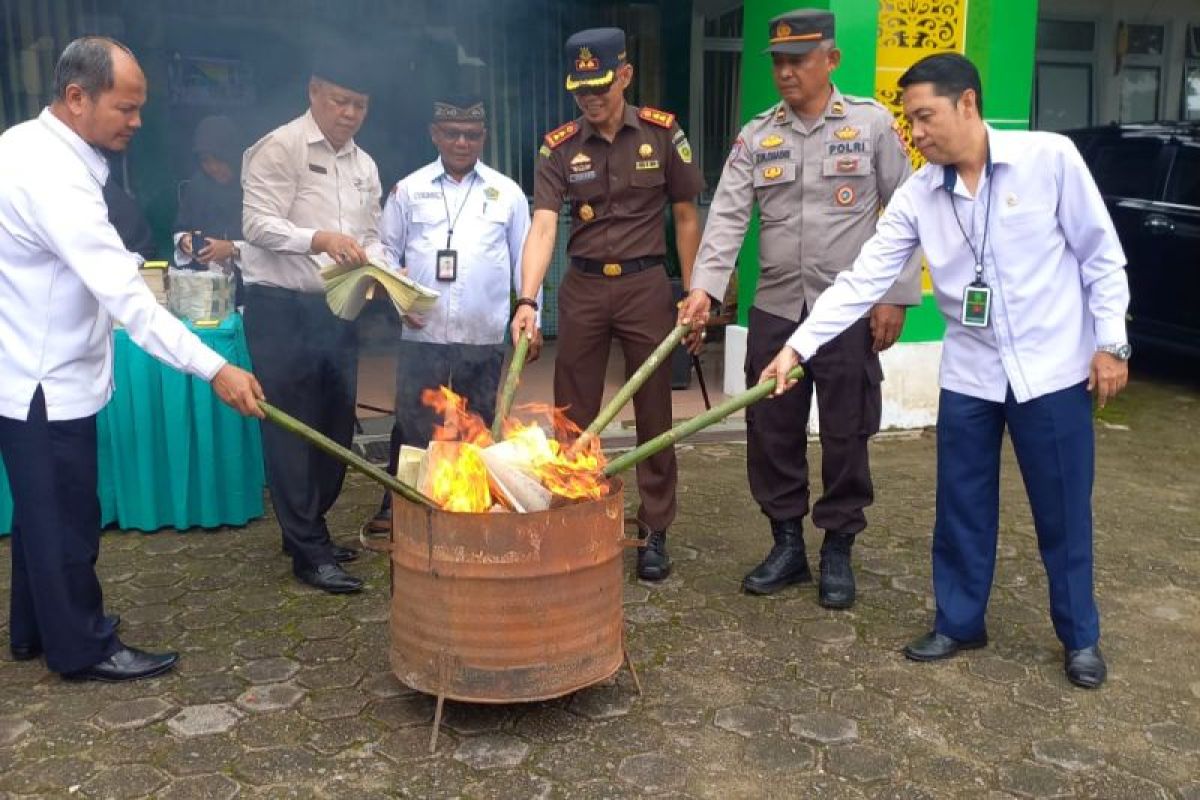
{"points": [[171, 453]]}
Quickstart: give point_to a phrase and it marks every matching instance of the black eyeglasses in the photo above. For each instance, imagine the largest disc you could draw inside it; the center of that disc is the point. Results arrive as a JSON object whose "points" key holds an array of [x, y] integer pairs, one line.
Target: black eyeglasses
{"points": [[454, 136]]}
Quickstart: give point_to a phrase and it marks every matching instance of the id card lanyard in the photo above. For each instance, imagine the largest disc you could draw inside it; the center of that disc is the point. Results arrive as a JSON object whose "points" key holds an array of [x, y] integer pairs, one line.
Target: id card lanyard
{"points": [[977, 295], [447, 259]]}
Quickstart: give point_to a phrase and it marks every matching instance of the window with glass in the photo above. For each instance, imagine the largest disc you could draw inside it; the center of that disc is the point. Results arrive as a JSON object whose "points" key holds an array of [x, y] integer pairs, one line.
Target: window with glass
{"points": [[1063, 90], [1124, 168], [1183, 186]]}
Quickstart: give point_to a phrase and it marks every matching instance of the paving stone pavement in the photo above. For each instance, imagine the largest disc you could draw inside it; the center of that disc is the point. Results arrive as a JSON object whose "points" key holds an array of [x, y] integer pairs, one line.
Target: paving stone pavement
{"points": [[286, 692]]}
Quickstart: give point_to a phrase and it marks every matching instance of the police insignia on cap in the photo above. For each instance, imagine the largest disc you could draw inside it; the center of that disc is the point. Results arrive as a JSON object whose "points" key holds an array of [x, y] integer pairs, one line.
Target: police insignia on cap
{"points": [[774, 140], [846, 133], [586, 62], [772, 172], [645, 150], [844, 196], [587, 213], [782, 29]]}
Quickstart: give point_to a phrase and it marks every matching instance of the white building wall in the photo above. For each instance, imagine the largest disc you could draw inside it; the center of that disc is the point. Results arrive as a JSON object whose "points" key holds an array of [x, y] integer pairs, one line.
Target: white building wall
{"points": [[1176, 15]]}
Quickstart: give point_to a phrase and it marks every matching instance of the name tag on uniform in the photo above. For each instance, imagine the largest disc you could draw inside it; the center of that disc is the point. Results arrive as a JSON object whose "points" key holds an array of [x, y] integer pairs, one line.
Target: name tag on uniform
{"points": [[976, 306], [447, 265], [317, 168]]}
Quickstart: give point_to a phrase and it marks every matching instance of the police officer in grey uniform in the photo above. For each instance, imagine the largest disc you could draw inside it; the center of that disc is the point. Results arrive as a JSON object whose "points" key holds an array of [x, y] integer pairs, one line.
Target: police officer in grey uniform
{"points": [[819, 165]]}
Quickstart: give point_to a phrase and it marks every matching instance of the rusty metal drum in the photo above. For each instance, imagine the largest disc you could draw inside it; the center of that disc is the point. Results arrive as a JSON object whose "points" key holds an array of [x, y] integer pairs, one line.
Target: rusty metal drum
{"points": [[507, 607]]}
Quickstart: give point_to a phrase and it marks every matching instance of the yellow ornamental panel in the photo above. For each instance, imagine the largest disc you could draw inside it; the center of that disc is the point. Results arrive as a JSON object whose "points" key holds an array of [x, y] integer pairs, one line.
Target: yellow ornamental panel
{"points": [[909, 30]]}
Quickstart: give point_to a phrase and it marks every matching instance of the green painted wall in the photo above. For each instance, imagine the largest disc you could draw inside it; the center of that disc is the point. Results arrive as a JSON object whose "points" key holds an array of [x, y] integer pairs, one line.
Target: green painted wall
{"points": [[857, 21], [1001, 40]]}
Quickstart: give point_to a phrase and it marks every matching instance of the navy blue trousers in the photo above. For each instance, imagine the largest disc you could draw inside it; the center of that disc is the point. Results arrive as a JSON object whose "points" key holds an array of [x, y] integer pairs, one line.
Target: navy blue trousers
{"points": [[1055, 447], [56, 598]]}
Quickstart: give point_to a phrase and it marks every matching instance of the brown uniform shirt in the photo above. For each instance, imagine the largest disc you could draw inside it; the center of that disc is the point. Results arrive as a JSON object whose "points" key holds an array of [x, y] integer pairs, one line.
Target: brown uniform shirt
{"points": [[617, 190]]}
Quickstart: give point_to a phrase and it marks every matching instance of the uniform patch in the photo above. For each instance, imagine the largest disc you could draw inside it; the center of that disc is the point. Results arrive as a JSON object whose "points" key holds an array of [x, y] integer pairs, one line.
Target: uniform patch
{"points": [[844, 195], [773, 172], [846, 164], [559, 135], [649, 164], [774, 140], [859, 147], [580, 163], [491, 193], [837, 109], [780, 115], [684, 148], [580, 177], [772, 155], [663, 119], [544, 151], [426, 195], [846, 133], [739, 144], [645, 150]]}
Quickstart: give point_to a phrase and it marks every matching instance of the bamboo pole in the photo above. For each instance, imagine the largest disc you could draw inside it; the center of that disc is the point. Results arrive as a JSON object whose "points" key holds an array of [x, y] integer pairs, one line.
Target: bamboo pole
{"points": [[520, 348], [685, 429], [350, 459], [626, 392]]}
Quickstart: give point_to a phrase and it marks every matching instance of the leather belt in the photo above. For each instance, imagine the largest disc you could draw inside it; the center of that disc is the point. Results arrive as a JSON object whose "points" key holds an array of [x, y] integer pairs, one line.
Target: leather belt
{"points": [[615, 269]]}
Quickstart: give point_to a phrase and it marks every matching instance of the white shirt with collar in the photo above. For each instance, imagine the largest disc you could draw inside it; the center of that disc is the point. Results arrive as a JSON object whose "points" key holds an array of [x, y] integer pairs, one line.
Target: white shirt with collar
{"points": [[1052, 260], [64, 276], [294, 184], [492, 222]]}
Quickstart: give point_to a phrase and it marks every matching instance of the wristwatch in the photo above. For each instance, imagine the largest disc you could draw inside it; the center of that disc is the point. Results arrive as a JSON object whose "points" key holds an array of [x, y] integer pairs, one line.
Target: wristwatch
{"points": [[1121, 352]]}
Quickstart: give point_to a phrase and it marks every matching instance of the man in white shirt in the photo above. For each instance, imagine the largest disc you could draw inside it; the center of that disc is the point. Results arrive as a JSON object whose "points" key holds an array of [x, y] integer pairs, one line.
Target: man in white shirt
{"points": [[1029, 273], [459, 226], [64, 278], [310, 195]]}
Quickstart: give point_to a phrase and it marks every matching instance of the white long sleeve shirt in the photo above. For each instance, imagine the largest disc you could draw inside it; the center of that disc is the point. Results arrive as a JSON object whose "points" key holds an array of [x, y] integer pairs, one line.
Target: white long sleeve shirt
{"points": [[64, 276], [1052, 260], [489, 234], [294, 184]]}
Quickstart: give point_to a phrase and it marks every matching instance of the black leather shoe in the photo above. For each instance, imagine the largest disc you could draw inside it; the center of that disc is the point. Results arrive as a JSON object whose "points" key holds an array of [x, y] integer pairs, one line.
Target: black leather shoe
{"points": [[653, 563], [837, 576], [786, 564], [127, 664], [330, 578], [28, 652], [1086, 667], [381, 522], [934, 646], [344, 554]]}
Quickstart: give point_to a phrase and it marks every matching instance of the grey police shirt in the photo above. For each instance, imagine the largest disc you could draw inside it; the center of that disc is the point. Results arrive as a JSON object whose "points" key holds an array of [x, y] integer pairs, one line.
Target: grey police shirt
{"points": [[819, 192]]}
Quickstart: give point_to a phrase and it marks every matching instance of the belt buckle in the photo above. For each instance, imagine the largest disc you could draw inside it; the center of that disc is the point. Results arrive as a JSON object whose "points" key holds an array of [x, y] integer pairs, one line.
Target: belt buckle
{"points": [[612, 270]]}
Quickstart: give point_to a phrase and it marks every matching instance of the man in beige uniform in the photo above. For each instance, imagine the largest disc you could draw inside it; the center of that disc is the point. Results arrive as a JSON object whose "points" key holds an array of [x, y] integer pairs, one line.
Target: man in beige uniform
{"points": [[819, 165], [311, 195]]}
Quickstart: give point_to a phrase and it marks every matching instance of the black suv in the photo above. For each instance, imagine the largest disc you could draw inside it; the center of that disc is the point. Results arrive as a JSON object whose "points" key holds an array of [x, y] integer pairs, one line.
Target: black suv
{"points": [[1149, 175]]}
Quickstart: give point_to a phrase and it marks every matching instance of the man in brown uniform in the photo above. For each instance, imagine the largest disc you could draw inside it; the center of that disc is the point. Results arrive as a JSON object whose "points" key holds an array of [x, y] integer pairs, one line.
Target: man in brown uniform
{"points": [[818, 164], [618, 165]]}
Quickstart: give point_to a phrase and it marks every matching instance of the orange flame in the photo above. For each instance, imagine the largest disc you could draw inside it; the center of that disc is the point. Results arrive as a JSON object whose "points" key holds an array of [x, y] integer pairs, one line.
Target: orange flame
{"points": [[458, 477], [575, 476]]}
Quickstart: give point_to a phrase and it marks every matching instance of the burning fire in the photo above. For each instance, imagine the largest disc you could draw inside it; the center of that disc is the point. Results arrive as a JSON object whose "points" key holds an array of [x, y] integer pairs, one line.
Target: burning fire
{"points": [[458, 479]]}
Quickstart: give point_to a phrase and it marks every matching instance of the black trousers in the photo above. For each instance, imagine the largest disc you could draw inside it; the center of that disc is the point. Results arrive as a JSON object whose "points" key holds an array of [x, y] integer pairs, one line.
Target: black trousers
{"points": [[847, 377], [56, 597], [306, 359], [470, 370]]}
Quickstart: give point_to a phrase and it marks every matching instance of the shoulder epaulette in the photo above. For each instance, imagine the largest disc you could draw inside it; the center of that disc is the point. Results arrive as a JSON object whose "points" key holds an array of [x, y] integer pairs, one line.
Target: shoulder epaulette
{"points": [[864, 101], [663, 119], [560, 134]]}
